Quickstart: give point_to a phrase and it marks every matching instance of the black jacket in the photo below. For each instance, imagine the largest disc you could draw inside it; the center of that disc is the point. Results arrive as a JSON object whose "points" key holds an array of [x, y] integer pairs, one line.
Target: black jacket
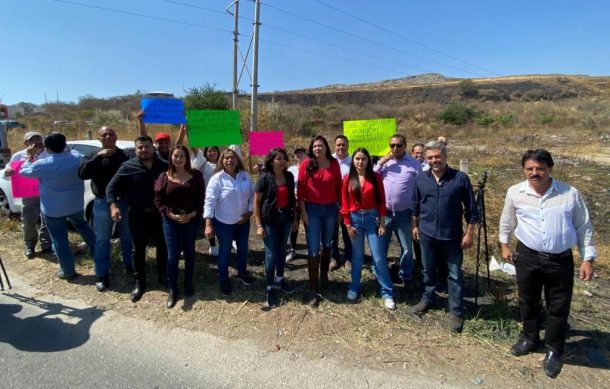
{"points": [[135, 183], [101, 170], [266, 186]]}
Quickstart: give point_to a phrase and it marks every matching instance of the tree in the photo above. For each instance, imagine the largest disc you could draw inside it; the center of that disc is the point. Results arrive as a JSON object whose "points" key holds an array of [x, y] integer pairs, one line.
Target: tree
{"points": [[205, 97]]}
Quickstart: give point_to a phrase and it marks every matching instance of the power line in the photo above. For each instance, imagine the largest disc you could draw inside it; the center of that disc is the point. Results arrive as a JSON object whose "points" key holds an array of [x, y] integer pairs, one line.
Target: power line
{"points": [[404, 37], [370, 40], [142, 15]]}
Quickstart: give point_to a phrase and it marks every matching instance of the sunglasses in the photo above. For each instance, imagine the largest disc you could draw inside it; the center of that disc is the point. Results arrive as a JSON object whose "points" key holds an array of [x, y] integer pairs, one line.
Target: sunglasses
{"points": [[394, 145]]}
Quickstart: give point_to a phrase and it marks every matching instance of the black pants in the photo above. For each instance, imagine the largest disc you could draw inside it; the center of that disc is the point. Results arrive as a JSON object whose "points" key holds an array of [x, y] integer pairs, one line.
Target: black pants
{"points": [[294, 233], [555, 274], [143, 226]]}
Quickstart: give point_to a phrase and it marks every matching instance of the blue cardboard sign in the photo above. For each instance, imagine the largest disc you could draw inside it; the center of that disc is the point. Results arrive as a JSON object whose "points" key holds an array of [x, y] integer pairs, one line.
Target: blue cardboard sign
{"points": [[163, 111]]}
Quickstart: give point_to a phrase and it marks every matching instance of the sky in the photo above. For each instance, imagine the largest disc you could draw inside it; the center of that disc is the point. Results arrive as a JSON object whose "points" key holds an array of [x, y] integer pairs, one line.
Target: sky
{"points": [[62, 50]]}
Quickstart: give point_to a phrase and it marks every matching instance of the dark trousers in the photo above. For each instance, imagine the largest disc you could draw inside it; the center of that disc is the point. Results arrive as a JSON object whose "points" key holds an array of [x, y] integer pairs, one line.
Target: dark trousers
{"points": [[556, 275], [143, 226], [347, 243], [295, 232], [180, 237]]}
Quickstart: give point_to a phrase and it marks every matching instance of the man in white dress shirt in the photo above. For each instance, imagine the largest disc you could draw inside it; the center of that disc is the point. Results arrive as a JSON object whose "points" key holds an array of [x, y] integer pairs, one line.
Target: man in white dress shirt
{"points": [[345, 161], [548, 218]]}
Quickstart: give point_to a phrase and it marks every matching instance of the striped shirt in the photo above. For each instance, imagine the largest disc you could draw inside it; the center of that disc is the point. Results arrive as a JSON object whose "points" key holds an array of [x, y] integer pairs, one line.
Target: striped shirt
{"points": [[552, 223]]}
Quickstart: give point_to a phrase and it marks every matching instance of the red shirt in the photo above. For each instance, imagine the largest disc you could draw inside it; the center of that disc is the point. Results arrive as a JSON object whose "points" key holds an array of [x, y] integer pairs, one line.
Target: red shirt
{"points": [[324, 185], [281, 201], [350, 203]]}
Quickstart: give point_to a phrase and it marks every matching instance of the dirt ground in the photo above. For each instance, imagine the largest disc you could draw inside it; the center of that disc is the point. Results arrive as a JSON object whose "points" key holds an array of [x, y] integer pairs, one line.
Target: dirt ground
{"points": [[361, 335]]}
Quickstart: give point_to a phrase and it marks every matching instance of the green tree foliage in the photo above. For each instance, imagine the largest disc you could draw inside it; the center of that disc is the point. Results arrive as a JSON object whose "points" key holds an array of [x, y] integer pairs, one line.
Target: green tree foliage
{"points": [[110, 117], [206, 97], [457, 113], [544, 118], [468, 89]]}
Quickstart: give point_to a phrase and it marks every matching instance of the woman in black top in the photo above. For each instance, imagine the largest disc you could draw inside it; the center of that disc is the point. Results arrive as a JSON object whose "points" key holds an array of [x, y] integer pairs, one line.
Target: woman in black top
{"points": [[274, 203]]}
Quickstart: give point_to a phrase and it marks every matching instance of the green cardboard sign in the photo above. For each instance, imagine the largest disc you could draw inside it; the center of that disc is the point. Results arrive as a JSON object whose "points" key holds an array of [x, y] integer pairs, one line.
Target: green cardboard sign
{"points": [[213, 128], [372, 134]]}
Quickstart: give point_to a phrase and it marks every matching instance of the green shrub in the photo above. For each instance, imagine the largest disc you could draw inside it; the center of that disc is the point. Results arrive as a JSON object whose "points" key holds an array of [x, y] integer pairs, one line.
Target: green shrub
{"points": [[505, 119], [457, 113], [544, 118], [485, 120], [468, 89], [205, 97]]}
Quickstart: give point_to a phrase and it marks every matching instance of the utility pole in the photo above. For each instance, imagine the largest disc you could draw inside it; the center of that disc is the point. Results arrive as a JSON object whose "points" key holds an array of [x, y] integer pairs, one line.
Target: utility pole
{"points": [[253, 111], [235, 48]]}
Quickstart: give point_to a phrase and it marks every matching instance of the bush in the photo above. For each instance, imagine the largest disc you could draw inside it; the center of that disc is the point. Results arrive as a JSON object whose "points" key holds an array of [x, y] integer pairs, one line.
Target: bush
{"points": [[457, 113], [544, 118], [468, 89], [206, 97], [505, 119], [485, 120]]}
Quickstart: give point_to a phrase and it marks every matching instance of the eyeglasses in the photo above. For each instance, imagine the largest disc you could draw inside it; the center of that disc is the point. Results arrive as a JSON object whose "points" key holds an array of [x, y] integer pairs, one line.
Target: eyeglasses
{"points": [[394, 145]]}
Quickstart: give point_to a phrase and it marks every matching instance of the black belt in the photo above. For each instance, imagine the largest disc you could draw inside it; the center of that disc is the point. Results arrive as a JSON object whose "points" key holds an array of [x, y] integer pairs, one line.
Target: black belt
{"points": [[523, 248]]}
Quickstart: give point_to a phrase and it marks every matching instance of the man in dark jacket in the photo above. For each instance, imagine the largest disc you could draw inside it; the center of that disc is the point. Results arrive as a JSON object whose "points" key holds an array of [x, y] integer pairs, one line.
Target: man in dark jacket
{"points": [[100, 168], [134, 182]]}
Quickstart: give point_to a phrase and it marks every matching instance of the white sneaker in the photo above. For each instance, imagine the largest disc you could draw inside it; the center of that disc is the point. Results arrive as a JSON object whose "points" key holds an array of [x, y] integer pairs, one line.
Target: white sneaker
{"points": [[213, 250], [351, 295], [389, 303], [290, 255]]}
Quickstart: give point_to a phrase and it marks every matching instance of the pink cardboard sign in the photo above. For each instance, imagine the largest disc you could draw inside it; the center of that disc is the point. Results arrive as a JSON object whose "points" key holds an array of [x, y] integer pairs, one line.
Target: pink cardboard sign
{"points": [[23, 186], [263, 141]]}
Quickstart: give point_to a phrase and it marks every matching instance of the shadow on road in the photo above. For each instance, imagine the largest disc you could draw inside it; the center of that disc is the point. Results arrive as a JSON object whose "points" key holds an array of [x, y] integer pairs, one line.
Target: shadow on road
{"points": [[58, 327]]}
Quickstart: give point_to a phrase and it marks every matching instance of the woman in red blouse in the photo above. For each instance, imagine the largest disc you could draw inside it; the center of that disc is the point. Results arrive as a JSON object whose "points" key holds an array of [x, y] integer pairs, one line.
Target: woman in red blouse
{"points": [[179, 195], [363, 210], [319, 195]]}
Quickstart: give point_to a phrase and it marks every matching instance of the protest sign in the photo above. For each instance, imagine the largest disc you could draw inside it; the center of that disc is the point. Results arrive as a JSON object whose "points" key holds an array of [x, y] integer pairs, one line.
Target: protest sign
{"points": [[163, 111], [23, 186], [213, 128], [371, 134], [261, 142]]}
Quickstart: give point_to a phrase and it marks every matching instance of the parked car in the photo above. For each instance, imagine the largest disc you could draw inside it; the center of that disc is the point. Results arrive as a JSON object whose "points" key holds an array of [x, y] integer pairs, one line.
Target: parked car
{"points": [[88, 148], [5, 151]]}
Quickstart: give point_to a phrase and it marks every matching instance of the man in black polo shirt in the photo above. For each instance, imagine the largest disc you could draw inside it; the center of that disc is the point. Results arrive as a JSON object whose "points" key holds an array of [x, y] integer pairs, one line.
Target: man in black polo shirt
{"points": [[99, 169], [442, 197], [134, 182]]}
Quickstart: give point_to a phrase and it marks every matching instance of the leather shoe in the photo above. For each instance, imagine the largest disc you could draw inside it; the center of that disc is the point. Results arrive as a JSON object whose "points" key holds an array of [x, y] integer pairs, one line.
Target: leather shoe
{"points": [[172, 298], [29, 253], [46, 250], [137, 292], [102, 283], [522, 347], [552, 364]]}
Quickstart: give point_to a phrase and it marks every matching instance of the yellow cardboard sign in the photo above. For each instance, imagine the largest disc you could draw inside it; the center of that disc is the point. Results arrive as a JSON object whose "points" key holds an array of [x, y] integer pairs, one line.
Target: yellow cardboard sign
{"points": [[374, 135]]}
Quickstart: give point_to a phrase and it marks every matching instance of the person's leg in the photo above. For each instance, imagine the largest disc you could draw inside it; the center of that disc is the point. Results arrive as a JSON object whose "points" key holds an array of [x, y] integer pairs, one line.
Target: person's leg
{"points": [[30, 212], [455, 279], [347, 244], [61, 245], [225, 234], [269, 241], [172, 232], [329, 223], [313, 230], [140, 234], [44, 236], [377, 247], [404, 232], [295, 233], [103, 232], [84, 229], [529, 285], [389, 230], [284, 229], [125, 235], [558, 275], [428, 253], [188, 246], [241, 239], [336, 255], [357, 220], [156, 226]]}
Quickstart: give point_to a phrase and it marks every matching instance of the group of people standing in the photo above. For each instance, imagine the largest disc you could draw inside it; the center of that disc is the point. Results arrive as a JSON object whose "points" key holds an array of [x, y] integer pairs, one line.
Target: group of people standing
{"points": [[168, 193]]}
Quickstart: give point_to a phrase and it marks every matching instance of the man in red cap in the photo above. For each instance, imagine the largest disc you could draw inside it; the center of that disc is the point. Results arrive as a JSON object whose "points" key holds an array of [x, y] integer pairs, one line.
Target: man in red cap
{"points": [[162, 139]]}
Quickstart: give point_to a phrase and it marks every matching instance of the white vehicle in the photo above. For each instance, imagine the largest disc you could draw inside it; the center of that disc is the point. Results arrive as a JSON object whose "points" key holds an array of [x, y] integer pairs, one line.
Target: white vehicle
{"points": [[10, 205]]}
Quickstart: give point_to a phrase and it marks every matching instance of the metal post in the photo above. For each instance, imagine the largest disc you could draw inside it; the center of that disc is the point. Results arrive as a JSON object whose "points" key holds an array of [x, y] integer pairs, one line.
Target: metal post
{"points": [[235, 47], [253, 112]]}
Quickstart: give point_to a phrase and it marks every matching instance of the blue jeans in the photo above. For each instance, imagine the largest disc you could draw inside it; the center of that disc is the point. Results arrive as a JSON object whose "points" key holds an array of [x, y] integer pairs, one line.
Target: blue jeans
{"points": [[180, 237], [61, 245], [399, 223], [366, 224], [226, 234], [275, 238], [103, 231], [443, 250], [319, 231]]}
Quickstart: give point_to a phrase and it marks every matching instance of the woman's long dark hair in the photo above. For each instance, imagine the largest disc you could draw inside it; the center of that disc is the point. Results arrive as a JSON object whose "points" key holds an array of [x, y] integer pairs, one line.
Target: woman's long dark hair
{"points": [[205, 153], [171, 168], [312, 164], [271, 156], [354, 180]]}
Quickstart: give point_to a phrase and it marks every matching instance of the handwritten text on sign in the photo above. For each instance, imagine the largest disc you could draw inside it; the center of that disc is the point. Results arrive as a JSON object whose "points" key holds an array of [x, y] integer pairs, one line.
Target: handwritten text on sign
{"points": [[23, 186], [163, 111], [262, 142], [372, 134], [213, 128]]}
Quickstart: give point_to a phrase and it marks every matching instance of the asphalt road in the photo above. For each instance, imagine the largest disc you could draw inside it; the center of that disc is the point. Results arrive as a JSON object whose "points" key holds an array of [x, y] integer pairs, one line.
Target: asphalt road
{"points": [[47, 342]]}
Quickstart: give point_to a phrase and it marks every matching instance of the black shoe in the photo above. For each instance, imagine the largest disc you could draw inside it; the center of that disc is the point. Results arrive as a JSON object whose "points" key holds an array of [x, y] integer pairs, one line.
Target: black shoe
{"points": [[225, 287], [456, 323], [172, 298], [283, 286], [522, 347], [272, 300], [70, 277], [46, 250], [552, 364], [29, 253], [102, 283], [138, 291], [245, 279], [421, 307]]}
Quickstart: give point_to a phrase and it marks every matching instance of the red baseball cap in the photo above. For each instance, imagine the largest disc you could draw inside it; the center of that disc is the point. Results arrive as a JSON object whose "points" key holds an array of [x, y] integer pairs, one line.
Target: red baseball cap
{"points": [[162, 135]]}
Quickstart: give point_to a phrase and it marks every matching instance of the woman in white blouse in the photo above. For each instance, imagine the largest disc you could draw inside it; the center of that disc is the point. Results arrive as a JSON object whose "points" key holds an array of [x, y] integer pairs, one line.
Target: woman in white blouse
{"points": [[228, 207]]}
